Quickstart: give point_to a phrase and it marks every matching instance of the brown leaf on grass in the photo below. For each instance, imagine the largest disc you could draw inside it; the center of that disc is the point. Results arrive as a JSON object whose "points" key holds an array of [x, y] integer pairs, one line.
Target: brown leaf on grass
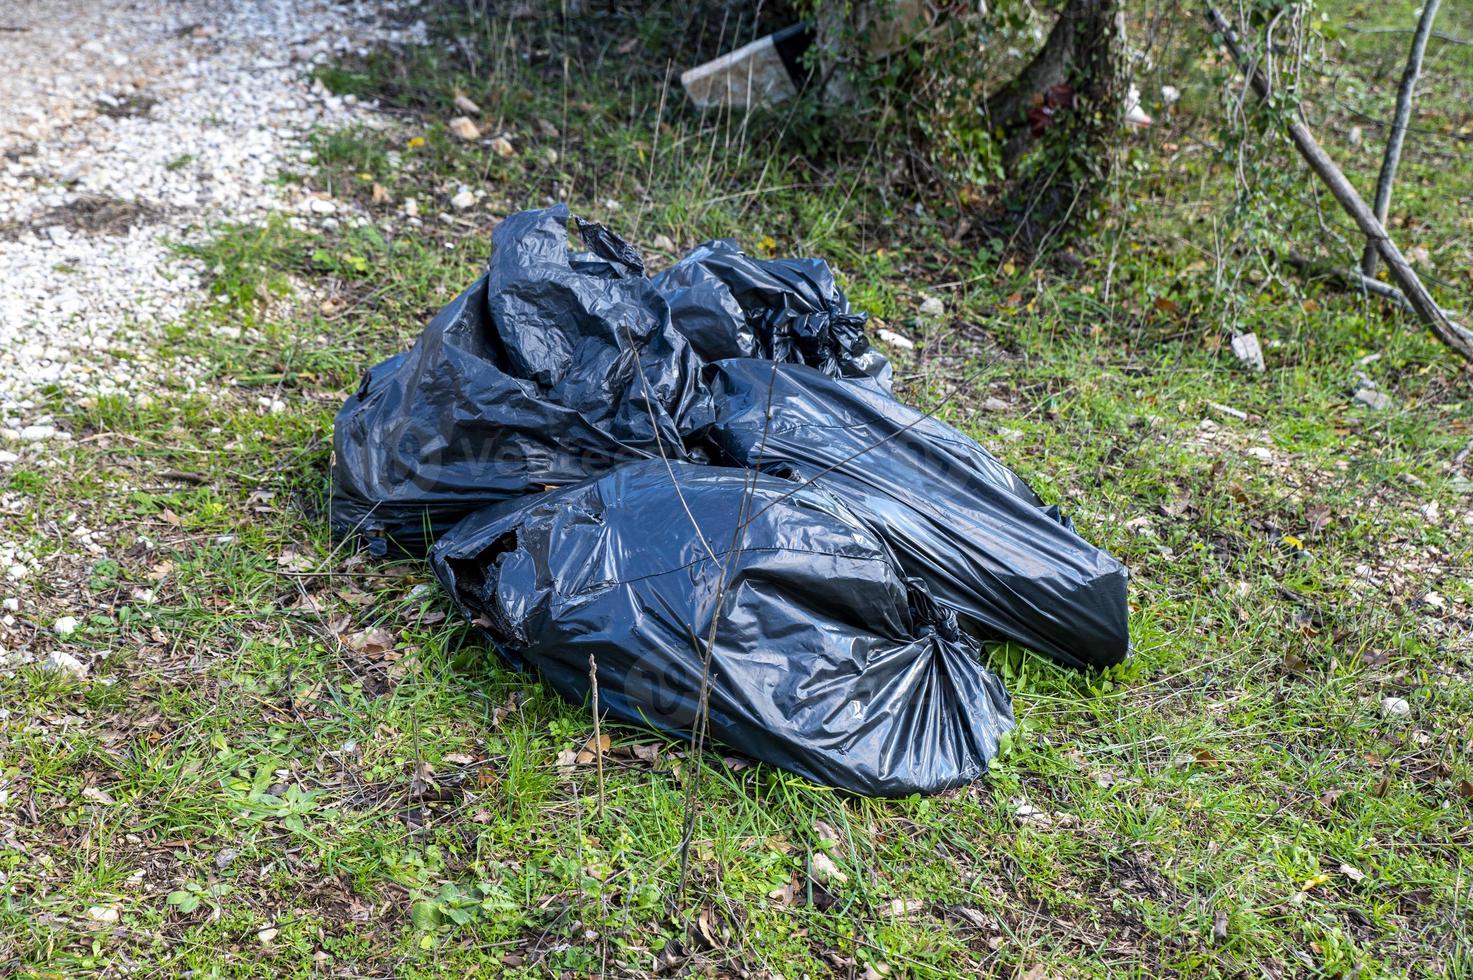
{"points": [[1204, 757], [1166, 306], [371, 641], [307, 602], [826, 870], [736, 763], [972, 917], [498, 715], [1464, 788], [709, 928], [1318, 517], [380, 194], [567, 760], [592, 749], [96, 795], [828, 837], [785, 894]]}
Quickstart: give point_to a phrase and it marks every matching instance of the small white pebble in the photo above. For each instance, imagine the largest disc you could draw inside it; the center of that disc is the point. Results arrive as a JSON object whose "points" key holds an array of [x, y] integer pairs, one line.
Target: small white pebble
{"points": [[65, 626], [1395, 707]]}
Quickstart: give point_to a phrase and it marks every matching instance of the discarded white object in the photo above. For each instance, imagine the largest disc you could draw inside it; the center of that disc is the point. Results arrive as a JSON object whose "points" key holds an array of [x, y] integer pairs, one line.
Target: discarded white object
{"points": [[1170, 95], [893, 339], [766, 71], [1373, 399], [1134, 114], [1245, 346], [64, 663]]}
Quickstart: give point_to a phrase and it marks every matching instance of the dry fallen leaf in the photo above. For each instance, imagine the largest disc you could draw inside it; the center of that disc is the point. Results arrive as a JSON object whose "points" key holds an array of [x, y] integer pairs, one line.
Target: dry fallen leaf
{"points": [[825, 869], [371, 641], [785, 894], [901, 908], [592, 749], [1204, 757], [97, 796]]}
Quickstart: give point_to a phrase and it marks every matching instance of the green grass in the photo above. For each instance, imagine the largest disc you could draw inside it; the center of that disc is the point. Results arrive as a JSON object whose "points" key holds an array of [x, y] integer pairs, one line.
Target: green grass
{"points": [[260, 785]]}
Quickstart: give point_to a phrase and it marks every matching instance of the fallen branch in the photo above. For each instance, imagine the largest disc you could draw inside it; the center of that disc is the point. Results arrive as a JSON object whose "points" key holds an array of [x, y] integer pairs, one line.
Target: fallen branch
{"points": [[1403, 116], [1349, 278], [1416, 294], [1440, 35]]}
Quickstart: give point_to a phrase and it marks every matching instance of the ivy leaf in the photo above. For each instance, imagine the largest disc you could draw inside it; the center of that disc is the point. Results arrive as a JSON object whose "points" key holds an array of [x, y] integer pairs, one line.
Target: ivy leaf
{"points": [[424, 915]]}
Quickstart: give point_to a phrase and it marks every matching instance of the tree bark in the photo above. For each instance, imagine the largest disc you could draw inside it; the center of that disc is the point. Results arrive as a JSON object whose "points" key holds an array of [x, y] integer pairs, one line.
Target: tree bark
{"points": [[1448, 332], [1398, 133], [1067, 102], [1084, 50]]}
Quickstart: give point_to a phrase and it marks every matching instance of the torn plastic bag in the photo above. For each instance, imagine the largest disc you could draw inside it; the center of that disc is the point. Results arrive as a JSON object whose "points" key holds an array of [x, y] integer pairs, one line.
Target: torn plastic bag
{"points": [[791, 310], [982, 540], [827, 661], [529, 379]]}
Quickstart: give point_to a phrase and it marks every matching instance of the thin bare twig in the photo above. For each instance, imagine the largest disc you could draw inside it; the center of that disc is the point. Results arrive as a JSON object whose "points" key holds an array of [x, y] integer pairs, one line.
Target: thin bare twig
{"points": [[598, 742], [1440, 35], [1398, 133]]}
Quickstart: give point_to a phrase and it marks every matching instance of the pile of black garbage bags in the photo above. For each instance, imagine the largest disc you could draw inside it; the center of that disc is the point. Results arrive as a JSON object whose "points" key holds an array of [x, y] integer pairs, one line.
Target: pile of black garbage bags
{"points": [[700, 480]]}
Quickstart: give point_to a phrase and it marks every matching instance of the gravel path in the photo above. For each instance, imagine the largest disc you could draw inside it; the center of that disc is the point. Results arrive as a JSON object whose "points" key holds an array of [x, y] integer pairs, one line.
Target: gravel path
{"points": [[127, 126]]}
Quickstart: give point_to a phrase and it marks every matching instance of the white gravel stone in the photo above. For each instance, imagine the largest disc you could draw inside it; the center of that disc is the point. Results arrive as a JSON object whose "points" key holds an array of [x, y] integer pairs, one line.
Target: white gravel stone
{"points": [[1395, 708], [63, 662], [932, 307], [65, 626]]}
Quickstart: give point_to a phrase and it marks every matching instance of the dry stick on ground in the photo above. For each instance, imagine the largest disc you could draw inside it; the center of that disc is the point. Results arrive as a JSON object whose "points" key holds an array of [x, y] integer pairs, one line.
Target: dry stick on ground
{"points": [[1348, 278], [598, 742], [1427, 309], [1399, 122]]}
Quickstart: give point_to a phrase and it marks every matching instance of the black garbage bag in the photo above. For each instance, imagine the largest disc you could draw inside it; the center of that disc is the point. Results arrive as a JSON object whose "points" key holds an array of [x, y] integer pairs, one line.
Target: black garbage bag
{"points": [[730, 305], [982, 540], [553, 366], [827, 660]]}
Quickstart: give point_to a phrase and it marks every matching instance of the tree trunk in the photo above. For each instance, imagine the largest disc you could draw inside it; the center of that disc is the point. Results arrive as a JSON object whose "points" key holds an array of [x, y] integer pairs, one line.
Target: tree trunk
{"points": [[1069, 102]]}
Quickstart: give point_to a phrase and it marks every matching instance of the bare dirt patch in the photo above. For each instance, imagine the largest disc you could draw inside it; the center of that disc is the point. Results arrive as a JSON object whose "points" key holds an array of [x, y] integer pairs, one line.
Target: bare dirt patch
{"points": [[88, 214]]}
